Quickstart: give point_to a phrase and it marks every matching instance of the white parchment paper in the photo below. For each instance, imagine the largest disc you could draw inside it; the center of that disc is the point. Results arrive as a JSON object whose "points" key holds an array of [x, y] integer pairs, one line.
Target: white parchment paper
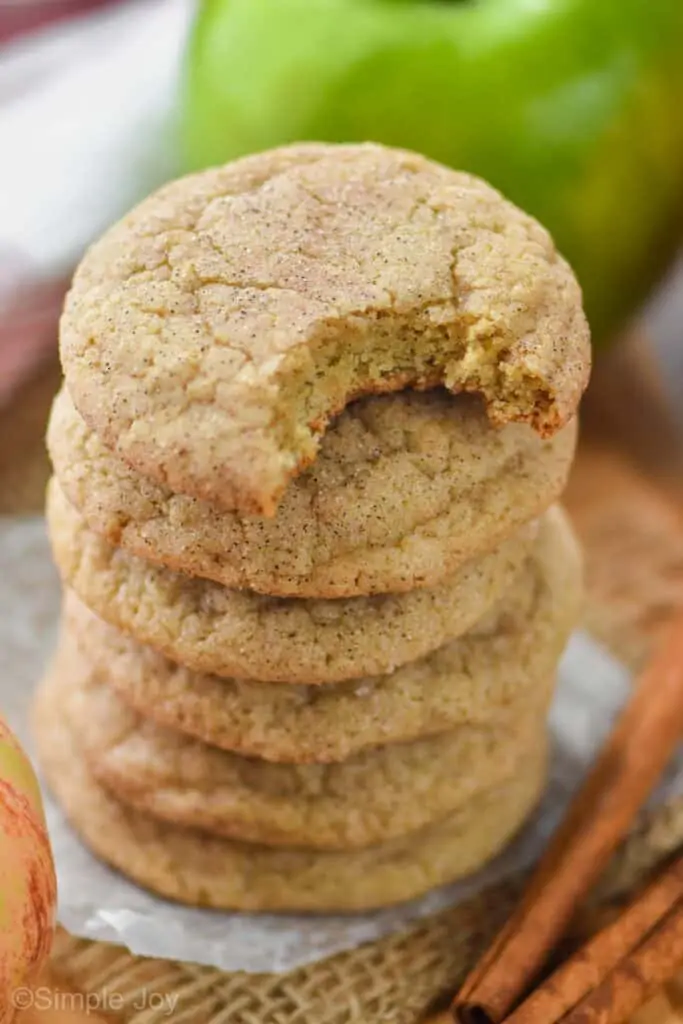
{"points": [[97, 903]]}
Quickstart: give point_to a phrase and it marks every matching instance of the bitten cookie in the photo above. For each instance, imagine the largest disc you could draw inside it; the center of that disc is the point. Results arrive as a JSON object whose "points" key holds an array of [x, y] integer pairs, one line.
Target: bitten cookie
{"points": [[210, 628], [374, 796], [405, 488], [209, 337], [196, 868], [480, 678]]}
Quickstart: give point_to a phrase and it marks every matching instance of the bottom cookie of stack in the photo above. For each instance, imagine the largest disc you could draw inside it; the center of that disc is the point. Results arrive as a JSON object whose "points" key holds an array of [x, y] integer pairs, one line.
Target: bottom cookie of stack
{"points": [[204, 870]]}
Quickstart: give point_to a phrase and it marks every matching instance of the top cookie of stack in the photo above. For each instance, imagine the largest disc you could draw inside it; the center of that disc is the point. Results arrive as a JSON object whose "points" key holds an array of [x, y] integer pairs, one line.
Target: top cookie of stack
{"points": [[317, 407], [209, 338]]}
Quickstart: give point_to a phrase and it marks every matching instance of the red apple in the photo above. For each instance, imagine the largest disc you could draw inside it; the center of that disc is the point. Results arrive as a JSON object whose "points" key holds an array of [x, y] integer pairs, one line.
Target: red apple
{"points": [[18, 19], [28, 888]]}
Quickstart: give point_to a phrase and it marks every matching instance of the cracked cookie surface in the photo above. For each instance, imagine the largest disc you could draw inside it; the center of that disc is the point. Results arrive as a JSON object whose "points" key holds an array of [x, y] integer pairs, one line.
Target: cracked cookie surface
{"points": [[203, 870], [210, 335], [370, 798], [478, 679], [211, 628], [405, 488]]}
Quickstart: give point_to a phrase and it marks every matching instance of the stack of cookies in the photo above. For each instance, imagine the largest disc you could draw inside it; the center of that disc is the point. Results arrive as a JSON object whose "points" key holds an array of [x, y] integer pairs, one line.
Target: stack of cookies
{"points": [[310, 629]]}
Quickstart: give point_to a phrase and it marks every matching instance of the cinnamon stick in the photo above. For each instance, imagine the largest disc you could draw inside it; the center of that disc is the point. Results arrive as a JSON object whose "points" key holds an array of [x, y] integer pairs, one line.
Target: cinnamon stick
{"points": [[600, 815], [590, 967], [618, 970], [636, 978]]}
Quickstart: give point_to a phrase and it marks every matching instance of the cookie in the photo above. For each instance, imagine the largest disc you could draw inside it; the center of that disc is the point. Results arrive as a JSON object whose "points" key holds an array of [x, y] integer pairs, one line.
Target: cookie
{"points": [[210, 628], [345, 526], [203, 870], [477, 679], [210, 336], [374, 796]]}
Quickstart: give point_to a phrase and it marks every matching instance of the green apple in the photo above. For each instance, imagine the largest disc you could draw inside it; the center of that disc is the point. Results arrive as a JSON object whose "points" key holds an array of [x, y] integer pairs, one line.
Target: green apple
{"points": [[572, 108]]}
